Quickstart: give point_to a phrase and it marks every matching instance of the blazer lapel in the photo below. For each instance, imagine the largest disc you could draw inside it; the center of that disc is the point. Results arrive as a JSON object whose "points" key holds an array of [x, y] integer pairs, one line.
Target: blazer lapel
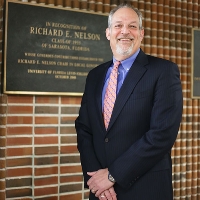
{"points": [[137, 70]]}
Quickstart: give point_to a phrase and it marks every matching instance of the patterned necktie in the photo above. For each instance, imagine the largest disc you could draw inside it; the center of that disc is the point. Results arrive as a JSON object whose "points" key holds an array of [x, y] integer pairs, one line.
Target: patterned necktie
{"points": [[110, 94]]}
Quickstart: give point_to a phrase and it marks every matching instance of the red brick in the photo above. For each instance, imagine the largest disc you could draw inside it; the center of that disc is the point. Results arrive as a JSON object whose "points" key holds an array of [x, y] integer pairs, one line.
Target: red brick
{"points": [[46, 120], [70, 187], [46, 130], [46, 140], [2, 153], [2, 185], [69, 110], [71, 100], [45, 191], [67, 130], [19, 182], [20, 109], [3, 174], [68, 139], [19, 120], [46, 150], [69, 149], [3, 99], [19, 141], [47, 100], [19, 130], [21, 99], [19, 151], [18, 162], [68, 120], [52, 160], [69, 159], [19, 193], [3, 109], [27, 198], [3, 142], [70, 169], [2, 131], [71, 178], [3, 120], [2, 195], [46, 109], [46, 171], [46, 198], [19, 172], [2, 164], [46, 181], [71, 197]]}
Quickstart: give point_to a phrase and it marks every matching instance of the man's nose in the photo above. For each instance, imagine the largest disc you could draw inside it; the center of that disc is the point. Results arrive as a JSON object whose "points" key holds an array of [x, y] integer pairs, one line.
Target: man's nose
{"points": [[125, 29]]}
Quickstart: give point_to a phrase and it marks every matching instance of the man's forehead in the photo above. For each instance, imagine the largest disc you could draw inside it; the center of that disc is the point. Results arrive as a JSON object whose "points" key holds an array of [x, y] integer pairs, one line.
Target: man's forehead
{"points": [[122, 21]]}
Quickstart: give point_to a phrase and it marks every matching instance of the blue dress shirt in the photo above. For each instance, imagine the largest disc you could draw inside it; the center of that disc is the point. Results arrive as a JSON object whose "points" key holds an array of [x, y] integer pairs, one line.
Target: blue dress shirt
{"points": [[123, 69]]}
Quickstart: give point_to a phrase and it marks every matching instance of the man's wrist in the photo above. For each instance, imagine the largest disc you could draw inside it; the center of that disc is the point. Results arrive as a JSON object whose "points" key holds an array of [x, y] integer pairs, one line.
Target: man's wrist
{"points": [[111, 178]]}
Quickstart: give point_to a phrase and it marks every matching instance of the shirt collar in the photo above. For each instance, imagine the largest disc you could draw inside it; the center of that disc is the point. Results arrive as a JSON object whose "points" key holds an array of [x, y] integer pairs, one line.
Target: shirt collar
{"points": [[126, 64]]}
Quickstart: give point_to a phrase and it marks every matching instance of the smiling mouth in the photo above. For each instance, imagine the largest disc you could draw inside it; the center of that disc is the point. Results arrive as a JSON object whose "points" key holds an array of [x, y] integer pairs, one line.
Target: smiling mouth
{"points": [[125, 39]]}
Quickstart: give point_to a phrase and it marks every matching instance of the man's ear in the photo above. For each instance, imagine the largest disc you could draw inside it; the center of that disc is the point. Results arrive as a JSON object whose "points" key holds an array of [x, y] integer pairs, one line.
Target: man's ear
{"points": [[142, 34], [108, 33]]}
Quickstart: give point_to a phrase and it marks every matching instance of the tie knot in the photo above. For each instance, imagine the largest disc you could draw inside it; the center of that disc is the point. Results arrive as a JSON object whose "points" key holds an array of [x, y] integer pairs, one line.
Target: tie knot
{"points": [[117, 63]]}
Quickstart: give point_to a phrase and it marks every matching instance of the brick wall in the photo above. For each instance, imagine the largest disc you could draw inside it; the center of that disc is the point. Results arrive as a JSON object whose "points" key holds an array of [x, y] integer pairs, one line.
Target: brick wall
{"points": [[38, 154], [41, 154]]}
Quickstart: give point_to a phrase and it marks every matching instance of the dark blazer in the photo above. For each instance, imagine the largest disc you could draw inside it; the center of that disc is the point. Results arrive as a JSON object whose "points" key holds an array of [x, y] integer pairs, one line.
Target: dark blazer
{"points": [[142, 130]]}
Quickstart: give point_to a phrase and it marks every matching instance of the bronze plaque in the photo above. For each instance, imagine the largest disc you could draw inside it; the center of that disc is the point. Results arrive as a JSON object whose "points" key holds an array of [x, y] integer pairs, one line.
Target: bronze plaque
{"points": [[195, 79], [50, 50]]}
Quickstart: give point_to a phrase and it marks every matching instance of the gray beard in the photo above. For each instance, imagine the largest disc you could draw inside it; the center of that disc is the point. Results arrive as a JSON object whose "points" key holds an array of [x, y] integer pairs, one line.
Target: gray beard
{"points": [[124, 52]]}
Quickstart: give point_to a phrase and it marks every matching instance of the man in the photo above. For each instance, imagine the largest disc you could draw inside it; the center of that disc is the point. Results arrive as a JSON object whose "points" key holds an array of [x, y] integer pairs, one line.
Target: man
{"points": [[130, 159]]}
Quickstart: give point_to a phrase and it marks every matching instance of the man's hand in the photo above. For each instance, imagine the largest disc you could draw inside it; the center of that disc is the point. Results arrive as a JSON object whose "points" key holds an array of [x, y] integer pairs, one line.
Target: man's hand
{"points": [[98, 183], [108, 195]]}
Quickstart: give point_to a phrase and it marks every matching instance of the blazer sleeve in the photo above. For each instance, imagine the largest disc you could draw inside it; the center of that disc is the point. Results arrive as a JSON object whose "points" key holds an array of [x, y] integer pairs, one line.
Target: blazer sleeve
{"points": [[157, 142], [89, 161]]}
